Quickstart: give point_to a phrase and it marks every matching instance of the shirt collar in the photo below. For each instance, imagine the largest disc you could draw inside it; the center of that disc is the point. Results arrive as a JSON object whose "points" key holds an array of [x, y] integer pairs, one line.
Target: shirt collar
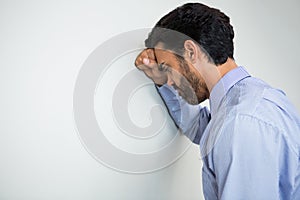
{"points": [[223, 86]]}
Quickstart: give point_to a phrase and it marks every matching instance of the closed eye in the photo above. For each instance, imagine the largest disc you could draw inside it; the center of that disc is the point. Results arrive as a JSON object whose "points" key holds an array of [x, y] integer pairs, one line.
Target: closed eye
{"points": [[163, 67]]}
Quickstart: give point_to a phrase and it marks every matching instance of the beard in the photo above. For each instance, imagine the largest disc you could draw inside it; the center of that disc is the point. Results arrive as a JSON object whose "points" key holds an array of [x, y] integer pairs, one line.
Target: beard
{"points": [[191, 88], [186, 91]]}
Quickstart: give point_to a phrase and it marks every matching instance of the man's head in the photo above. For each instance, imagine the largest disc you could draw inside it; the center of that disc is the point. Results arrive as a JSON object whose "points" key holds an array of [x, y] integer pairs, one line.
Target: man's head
{"points": [[192, 25]]}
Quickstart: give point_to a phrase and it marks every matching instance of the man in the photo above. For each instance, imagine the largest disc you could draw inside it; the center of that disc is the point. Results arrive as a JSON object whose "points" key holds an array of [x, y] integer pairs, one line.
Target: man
{"points": [[250, 138]]}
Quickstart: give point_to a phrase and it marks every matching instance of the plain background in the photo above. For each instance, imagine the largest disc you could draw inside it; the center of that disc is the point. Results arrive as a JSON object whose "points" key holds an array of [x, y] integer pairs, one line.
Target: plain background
{"points": [[42, 47]]}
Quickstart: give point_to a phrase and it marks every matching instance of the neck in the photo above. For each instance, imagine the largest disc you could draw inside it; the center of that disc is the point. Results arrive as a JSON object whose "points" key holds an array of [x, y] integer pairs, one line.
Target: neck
{"points": [[226, 67], [212, 73]]}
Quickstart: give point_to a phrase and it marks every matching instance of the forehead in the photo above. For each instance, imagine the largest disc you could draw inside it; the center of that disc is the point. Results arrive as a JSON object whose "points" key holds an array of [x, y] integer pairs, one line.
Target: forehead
{"points": [[163, 55], [169, 59]]}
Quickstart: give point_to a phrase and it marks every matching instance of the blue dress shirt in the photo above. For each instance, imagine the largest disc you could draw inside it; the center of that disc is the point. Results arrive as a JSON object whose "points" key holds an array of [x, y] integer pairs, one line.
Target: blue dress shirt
{"points": [[249, 140]]}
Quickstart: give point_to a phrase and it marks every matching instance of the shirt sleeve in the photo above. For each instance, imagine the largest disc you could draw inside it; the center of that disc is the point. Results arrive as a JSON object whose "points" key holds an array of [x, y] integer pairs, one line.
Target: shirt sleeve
{"points": [[252, 160], [191, 119]]}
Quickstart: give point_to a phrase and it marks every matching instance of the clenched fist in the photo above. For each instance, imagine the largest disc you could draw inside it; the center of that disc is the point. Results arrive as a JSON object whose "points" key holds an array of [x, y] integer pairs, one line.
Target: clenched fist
{"points": [[146, 62]]}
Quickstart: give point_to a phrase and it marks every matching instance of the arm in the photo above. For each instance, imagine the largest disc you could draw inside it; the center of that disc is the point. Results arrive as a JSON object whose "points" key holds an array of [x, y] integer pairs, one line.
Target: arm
{"points": [[191, 119]]}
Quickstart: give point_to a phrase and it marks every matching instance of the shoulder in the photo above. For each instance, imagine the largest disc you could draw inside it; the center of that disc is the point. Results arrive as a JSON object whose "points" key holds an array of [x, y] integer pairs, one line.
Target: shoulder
{"points": [[256, 98], [253, 112], [260, 114]]}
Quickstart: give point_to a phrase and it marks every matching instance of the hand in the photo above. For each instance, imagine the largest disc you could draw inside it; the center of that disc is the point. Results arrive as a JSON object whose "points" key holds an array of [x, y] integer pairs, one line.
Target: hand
{"points": [[146, 62]]}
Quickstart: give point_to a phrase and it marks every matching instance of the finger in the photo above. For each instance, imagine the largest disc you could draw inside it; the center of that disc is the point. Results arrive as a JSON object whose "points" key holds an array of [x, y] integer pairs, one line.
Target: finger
{"points": [[150, 66], [150, 54], [139, 58], [145, 60]]}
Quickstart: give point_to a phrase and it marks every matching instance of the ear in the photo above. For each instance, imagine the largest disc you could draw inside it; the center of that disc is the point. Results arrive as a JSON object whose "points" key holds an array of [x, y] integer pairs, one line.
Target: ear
{"points": [[191, 51]]}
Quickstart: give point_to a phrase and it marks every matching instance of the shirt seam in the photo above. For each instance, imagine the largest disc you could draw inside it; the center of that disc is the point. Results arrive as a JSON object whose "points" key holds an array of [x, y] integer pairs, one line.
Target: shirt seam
{"points": [[274, 127]]}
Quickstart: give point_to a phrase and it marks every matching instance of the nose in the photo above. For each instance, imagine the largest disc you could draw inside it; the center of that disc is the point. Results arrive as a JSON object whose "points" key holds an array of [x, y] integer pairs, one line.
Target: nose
{"points": [[170, 81]]}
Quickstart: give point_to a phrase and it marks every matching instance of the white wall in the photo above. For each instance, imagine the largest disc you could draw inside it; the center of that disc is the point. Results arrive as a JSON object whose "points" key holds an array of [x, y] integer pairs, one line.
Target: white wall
{"points": [[43, 46]]}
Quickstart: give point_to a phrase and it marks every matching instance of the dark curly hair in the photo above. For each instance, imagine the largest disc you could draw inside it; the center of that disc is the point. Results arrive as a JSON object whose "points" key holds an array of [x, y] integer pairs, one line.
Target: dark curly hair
{"points": [[209, 27]]}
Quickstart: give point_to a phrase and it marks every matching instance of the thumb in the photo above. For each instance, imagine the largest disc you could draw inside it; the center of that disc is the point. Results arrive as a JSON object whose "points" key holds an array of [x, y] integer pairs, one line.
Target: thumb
{"points": [[146, 61]]}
